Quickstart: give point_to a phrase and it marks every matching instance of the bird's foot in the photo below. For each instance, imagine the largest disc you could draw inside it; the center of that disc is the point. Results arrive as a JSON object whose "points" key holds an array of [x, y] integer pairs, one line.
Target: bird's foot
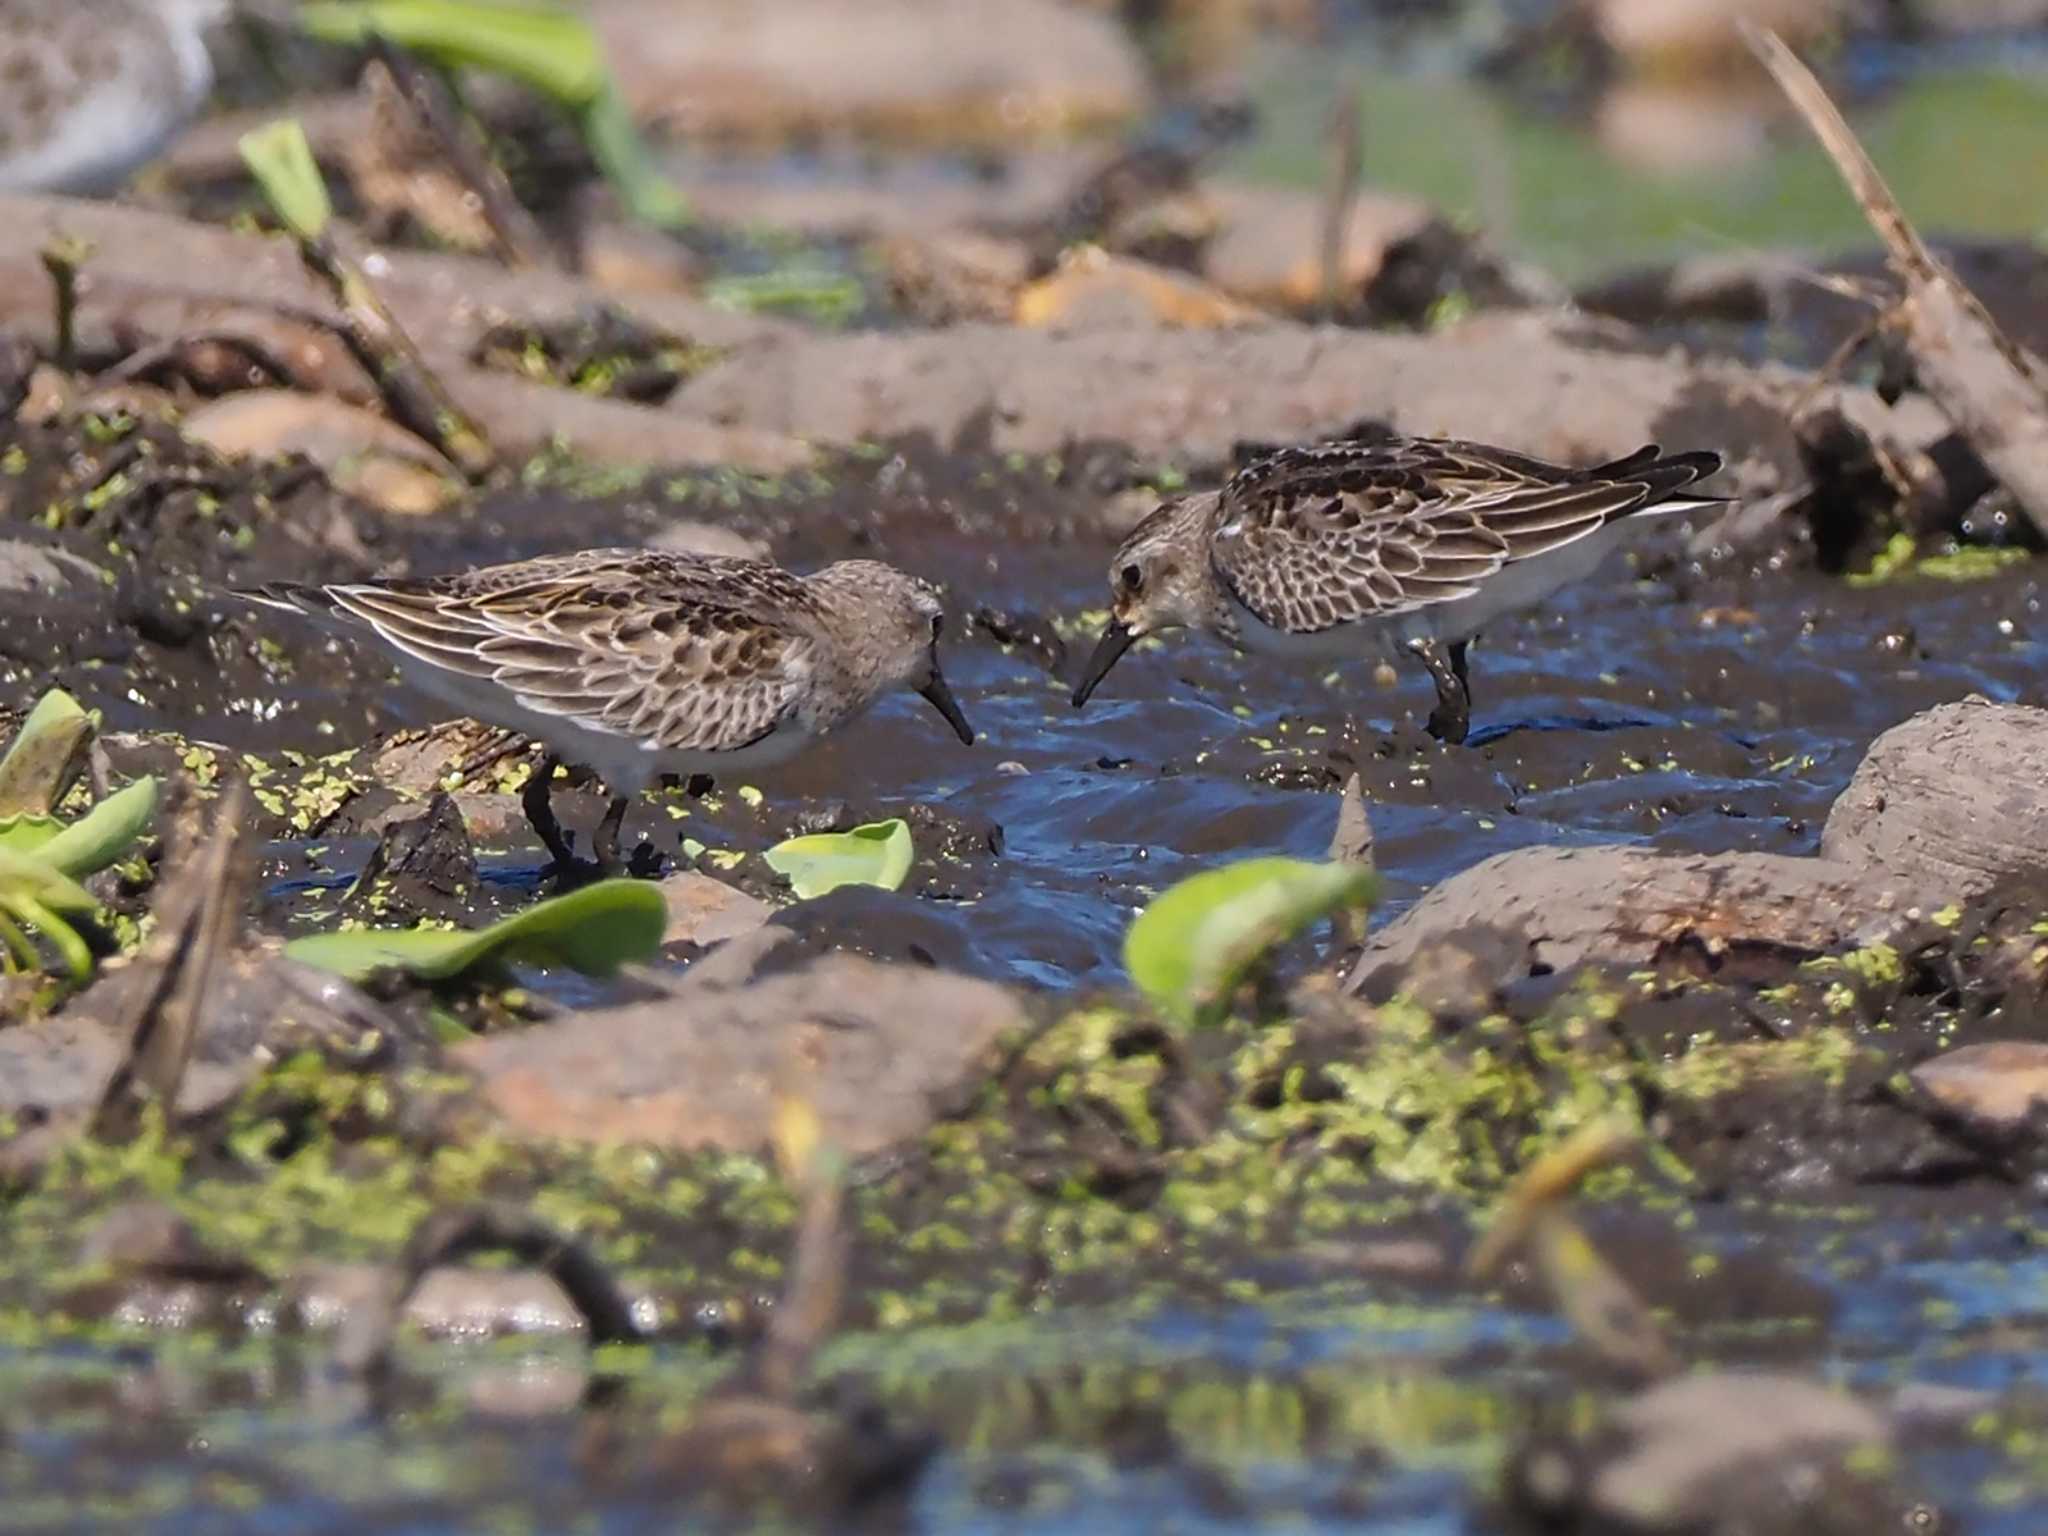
{"points": [[1451, 720]]}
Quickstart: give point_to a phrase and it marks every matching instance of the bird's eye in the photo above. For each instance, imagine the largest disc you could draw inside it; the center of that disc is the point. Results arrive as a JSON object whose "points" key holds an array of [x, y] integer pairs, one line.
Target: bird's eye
{"points": [[1133, 577]]}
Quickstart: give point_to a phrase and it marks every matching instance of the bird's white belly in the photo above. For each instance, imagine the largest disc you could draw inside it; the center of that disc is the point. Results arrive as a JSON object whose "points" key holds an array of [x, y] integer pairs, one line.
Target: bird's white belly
{"points": [[625, 763], [1523, 584]]}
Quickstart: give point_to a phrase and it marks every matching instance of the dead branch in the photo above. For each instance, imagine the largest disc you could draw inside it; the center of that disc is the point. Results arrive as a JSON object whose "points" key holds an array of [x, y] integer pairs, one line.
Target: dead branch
{"points": [[1987, 386], [196, 922]]}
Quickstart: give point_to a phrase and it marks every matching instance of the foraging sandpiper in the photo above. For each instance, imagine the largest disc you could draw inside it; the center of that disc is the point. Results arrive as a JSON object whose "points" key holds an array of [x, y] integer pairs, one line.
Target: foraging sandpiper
{"points": [[92, 89], [636, 662], [1312, 552]]}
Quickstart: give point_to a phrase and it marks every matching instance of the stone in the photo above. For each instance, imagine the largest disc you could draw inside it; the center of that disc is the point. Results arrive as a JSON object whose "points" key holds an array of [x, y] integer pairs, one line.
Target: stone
{"points": [[1995, 1086], [705, 911], [363, 453], [33, 571], [1000, 70], [1093, 290], [880, 1051]]}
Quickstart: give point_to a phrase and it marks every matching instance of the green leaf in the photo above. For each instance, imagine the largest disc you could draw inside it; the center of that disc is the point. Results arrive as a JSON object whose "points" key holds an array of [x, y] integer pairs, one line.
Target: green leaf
{"points": [[45, 756], [879, 853], [1188, 950], [594, 930], [27, 878], [281, 160], [26, 833], [549, 48], [104, 834]]}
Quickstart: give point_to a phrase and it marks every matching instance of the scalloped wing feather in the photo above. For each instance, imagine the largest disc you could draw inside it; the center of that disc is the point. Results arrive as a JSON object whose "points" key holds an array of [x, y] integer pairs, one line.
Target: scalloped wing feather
{"points": [[682, 653], [1316, 537]]}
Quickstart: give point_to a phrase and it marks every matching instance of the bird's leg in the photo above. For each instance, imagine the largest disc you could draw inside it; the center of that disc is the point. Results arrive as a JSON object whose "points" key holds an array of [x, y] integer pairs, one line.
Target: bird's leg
{"points": [[605, 845], [534, 800], [1452, 717], [1458, 668], [698, 785]]}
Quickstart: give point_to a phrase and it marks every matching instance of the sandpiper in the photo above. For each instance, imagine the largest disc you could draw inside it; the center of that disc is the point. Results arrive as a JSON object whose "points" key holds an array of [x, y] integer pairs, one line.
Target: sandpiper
{"points": [[92, 89], [636, 662], [1422, 542]]}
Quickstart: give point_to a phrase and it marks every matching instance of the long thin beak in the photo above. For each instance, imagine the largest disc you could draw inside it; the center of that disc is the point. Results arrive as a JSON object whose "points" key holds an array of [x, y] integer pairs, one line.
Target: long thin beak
{"points": [[1116, 639], [940, 697]]}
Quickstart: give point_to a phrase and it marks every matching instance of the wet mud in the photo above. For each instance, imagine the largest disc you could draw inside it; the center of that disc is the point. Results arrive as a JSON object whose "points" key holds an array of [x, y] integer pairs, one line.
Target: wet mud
{"points": [[1250, 1241]]}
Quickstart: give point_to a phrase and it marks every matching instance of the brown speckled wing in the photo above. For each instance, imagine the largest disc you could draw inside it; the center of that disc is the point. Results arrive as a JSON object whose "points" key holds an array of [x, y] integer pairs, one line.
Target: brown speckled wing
{"points": [[1310, 538], [689, 653]]}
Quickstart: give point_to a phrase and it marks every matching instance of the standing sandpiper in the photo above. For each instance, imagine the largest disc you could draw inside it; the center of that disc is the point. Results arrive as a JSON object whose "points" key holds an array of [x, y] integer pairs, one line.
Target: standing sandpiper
{"points": [[90, 90], [1314, 552], [637, 662]]}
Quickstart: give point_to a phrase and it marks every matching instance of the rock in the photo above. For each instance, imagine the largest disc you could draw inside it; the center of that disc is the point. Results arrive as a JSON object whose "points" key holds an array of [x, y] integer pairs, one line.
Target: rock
{"points": [[147, 1237], [1944, 804], [705, 911], [685, 536], [30, 570], [956, 275], [1935, 814], [1699, 32], [1628, 905], [364, 454], [880, 1051], [1351, 843], [1996, 1087], [55, 1066], [996, 70], [1093, 290], [423, 867], [1722, 1452], [1190, 395], [449, 1302], [1398, 254]]}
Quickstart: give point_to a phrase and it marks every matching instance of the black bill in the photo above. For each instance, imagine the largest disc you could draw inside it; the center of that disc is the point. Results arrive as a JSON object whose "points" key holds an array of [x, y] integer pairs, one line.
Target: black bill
{"points": [[1116, 639], [940, 697]]}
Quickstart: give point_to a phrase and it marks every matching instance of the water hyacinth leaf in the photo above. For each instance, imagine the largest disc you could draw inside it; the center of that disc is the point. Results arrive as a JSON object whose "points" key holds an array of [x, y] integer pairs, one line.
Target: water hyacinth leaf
{"points": [[45, 756], [26, 833], [594, 930], [1190, 948], [34, 893], [548, 47], [28, 876], [104, 834], [878, 854], [281, 160]]}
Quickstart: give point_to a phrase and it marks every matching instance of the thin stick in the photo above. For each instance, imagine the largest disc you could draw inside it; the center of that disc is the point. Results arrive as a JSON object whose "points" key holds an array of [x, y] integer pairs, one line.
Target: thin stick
{"points": [[196, 922], [1347, 164], [62, 258], [520, 237], [415, 398]]}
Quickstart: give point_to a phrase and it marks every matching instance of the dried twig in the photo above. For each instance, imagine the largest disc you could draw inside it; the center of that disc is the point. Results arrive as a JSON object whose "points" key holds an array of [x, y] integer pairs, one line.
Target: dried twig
{"points": [[62, 258], [372, 1332], [415, 398], [196, 923], [519, 235], [1989, 388], [1347, 163]]}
